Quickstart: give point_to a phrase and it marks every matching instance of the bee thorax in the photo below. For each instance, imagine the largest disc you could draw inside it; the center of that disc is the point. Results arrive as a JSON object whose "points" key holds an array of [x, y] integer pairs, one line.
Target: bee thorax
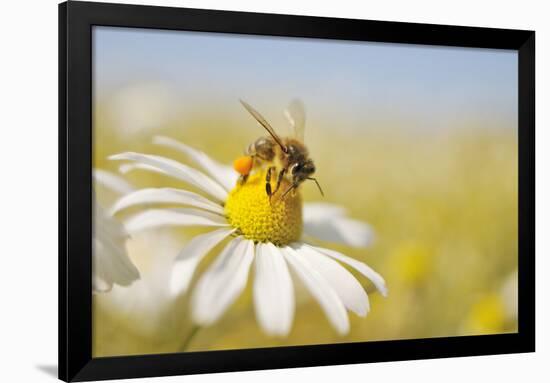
{"points": [[262, 148]]}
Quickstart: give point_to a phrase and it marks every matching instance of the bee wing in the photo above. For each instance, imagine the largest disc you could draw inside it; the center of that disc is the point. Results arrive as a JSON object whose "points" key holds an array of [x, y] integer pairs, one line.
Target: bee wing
{"points": [[264, 123], [295, 113]]}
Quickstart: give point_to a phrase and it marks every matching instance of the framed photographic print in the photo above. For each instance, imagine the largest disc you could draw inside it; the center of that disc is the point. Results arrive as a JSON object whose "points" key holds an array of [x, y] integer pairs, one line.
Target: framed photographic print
{"points": [[247, 191]]}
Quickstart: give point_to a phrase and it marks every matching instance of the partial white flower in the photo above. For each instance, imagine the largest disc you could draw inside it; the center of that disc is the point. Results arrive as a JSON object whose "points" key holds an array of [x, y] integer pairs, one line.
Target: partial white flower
{"points": [[330, 222], [146, 305], [110, 262], [236, 218], [151, 252]]}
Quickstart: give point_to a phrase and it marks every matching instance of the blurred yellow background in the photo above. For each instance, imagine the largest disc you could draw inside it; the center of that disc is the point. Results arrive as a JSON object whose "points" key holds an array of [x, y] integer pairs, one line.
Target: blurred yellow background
{"points": [[441, 201], [445, 216]]}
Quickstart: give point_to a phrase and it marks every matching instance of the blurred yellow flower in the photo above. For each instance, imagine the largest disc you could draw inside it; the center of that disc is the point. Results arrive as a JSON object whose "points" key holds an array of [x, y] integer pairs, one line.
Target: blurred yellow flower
{"points": [[413, 262], [496, 311], [487, 315]]}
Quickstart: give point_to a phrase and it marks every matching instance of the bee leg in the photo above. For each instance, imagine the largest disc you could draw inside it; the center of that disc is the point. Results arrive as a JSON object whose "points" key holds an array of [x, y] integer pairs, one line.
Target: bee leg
{"points": [[243, 178], [279, 179], [268, 182]]}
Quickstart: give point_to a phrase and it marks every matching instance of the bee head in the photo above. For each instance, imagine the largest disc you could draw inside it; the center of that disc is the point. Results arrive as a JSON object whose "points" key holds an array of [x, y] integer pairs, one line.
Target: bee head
{"points": [[308, 167], [302, 170]]}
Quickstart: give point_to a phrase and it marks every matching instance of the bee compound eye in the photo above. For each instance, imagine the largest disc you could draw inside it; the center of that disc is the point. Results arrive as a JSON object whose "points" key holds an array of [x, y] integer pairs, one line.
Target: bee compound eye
{"points": [[310, 165]]}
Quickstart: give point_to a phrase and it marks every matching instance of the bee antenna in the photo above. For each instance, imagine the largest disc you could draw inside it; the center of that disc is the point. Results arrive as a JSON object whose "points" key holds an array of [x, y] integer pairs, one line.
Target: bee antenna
{"points": [[318, 186]]}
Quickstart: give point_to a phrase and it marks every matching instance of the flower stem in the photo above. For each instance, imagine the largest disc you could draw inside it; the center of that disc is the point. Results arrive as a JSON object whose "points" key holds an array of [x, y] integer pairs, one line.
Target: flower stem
{"points": [[187, 341]]}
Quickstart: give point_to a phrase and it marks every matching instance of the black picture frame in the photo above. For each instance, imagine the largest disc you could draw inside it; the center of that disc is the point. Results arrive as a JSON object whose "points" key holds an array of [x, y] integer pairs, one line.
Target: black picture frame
{"points": [[75, 184]]}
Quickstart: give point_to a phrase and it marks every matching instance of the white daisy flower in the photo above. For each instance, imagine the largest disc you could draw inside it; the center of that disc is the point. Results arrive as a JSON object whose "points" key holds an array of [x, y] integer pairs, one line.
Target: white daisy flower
{"points": [[110, 262], [262, 236]]}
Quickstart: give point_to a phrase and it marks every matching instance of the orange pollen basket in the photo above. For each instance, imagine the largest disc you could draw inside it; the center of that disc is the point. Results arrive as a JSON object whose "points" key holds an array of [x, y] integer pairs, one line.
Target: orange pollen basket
{"points": [[243, 165]]}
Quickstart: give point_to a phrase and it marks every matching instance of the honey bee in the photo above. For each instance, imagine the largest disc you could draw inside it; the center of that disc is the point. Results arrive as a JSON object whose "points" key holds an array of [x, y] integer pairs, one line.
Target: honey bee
{"points": [[287, 156]]}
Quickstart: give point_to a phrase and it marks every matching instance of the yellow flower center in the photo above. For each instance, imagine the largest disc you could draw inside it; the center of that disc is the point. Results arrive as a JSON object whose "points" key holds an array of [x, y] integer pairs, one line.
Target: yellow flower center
{"points": [[249, 210]]}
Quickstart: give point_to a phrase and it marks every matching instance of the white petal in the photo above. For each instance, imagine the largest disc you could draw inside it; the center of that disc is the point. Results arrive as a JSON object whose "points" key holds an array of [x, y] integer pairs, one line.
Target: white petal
{"points": [[328, 223], [111, 264], [225, 175], [112, 181], [223, 282], [106, 226], [190, 256], [315, 211], [342, 281], [100, 285], [273, 291], [357, 265], [320, 289], [177, 170], [165, 195], [155, 218], [127, 168]]}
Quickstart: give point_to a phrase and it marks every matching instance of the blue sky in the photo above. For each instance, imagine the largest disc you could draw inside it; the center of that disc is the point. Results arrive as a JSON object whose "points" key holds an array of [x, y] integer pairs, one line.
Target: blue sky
{"points": [[427, 85]]}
